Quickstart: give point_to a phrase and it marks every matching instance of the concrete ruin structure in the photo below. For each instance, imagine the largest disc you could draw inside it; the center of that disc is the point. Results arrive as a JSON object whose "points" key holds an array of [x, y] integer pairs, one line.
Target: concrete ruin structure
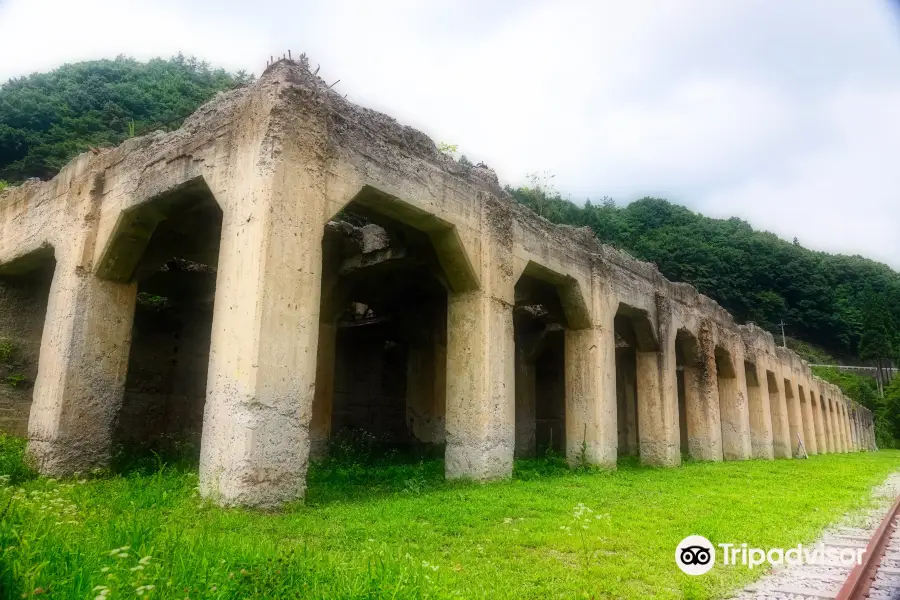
{"points": [[287, 264]]}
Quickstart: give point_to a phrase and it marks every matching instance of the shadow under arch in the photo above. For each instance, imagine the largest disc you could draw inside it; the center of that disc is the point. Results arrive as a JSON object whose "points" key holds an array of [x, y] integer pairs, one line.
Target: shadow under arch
{"points": [[169, 245], [25, 285], [379, 207], [547, 304], [387, 270]]}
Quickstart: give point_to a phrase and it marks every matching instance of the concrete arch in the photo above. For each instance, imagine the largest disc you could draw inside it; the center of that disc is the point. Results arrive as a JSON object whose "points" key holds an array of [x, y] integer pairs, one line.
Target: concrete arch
{"points": [[568, 290], [130, 236], [25, 284], [451, 253], [644, 334]]}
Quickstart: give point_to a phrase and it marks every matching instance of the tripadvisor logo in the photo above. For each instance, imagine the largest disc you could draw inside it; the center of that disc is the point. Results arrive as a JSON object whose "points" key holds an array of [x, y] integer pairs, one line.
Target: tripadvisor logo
{"points": [[695, 555]]}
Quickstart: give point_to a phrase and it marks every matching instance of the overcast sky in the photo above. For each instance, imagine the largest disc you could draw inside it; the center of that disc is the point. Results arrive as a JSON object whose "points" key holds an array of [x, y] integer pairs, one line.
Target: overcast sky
{"points": [[786, 114]]}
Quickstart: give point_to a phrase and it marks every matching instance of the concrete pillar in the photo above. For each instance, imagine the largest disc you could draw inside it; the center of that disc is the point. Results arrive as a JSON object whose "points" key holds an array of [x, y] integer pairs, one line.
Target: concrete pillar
{"points": [[590, 364], [823, 406], [854, 434], [795, 414], [81, 372], [480, 386], [264, 347], [809, 424], [761, 435], [829, 424], [591, 431], [870, 422], [733, 407], [818, 418], [847, 435], [426, 380], [701, 391], [832, 424], [323, 401], [840, 431], [861, 428], [780, 426], [657, 397], [526, 389]]}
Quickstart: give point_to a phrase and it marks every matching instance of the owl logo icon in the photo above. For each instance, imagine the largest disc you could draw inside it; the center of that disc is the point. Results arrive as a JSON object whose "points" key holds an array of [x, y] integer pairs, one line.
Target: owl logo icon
{"points": [[695, 555]]}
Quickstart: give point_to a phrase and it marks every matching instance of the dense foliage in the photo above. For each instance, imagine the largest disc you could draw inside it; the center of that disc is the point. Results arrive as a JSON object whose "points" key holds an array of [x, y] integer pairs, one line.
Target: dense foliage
{"points": [[822, 298], [48, 118]]}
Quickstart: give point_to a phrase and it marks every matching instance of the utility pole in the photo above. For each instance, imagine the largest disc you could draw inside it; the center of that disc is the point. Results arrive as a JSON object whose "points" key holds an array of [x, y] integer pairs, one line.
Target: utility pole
{"points": [[783, 342]]}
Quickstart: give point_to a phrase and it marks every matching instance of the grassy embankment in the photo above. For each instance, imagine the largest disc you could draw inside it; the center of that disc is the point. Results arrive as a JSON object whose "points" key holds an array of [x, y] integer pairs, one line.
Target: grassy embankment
{"points": [[378, 529]]}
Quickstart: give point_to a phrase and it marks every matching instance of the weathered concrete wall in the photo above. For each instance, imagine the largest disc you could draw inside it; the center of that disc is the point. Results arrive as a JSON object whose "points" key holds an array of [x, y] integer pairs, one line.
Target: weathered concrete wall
{"points": [[281, 159]]}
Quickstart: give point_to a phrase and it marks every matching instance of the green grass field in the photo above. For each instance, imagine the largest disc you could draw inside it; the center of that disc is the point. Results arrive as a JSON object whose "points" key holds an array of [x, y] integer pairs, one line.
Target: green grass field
{"points": [[389, 529]]}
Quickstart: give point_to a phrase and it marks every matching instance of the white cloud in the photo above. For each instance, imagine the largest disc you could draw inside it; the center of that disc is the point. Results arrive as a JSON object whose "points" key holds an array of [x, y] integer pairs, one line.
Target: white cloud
{"points": [[782, 113]]}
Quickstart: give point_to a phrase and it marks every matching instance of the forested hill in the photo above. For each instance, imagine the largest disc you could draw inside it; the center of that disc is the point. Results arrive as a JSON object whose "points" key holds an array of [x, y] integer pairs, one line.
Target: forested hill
{"points": [[47, 118], [831, 301], [825, 299]]}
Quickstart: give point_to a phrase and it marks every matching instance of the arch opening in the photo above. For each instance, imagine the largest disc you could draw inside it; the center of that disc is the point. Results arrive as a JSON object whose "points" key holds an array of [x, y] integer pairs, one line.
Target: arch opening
{"points": [[539, 323], [759, 405], [691, 414], [174, 261], [633, 334], [24, 294], [381, 365], [730, 403], [795, 422]]}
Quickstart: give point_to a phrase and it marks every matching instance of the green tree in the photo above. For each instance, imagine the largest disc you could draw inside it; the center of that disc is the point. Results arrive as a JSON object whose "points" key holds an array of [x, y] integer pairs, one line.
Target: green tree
{"points": [[48, 118], [755, 275], [878, 335], [887, 421]]}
